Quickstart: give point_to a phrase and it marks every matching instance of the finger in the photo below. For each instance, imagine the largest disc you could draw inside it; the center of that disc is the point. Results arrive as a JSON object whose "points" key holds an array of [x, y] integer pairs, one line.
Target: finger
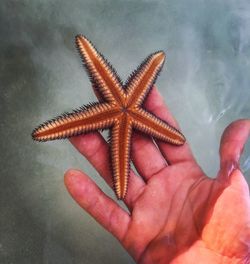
{"points": [[96, 150], [146, 156], [102, 208], [173, 154], [238, 182], [231, 147]]}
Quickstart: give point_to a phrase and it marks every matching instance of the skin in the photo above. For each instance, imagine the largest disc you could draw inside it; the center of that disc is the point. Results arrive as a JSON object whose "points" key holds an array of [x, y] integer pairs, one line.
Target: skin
{"points": [[176, 213]]}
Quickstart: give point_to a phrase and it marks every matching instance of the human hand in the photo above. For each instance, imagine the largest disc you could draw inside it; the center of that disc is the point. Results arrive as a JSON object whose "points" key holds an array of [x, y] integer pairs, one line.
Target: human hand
{"points": [[176, 213]]}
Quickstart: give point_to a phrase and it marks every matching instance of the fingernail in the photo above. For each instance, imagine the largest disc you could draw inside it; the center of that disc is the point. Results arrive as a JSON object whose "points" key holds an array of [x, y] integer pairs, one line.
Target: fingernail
{"points": [[228, 167]]}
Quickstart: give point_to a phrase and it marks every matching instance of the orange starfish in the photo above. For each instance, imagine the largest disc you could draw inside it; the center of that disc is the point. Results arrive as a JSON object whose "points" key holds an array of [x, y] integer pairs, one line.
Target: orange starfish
{"points": [[119, 109]]}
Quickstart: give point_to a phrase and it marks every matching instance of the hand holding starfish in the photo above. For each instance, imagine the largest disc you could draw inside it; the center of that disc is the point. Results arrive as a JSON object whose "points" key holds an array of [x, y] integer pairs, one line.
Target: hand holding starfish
{"points": [[176, 213]]}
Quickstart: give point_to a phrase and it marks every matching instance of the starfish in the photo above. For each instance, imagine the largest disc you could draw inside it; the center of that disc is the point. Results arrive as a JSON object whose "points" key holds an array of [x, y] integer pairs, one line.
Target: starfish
{"points": [[119, 109]]}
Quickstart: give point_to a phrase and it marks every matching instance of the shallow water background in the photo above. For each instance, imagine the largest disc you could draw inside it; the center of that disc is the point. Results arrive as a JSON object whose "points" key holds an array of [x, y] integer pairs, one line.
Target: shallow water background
{"points": [[205, 82]]}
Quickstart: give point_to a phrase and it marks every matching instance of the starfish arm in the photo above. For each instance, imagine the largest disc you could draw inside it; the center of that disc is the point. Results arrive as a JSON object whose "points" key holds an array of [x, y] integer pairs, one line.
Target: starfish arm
{"points": [[83, 120], [157, 128], [104, 78], [120, 155], [143, 78]]}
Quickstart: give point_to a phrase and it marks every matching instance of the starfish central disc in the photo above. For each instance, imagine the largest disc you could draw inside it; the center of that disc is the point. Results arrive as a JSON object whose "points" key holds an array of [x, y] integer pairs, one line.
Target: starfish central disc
{"points": [[124, 109], [119, 109]]}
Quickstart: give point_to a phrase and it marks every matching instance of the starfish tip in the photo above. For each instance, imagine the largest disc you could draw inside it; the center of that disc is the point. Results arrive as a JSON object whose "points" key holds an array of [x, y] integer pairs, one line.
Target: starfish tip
{"points": [[182, 140], [161, 55], [81, 40], [79, 36]]}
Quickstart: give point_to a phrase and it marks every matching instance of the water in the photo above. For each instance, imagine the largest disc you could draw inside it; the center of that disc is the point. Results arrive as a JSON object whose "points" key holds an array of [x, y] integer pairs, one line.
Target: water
{"points": [[205, 82]]}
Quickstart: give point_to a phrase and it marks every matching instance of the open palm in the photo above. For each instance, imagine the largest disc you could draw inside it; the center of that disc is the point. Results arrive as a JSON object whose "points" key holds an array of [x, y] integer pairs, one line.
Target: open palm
{"points": [[176, 213]]}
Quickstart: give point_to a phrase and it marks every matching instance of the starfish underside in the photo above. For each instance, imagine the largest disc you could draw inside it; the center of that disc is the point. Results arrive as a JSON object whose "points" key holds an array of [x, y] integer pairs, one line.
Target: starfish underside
{"points": [[119, 109]]}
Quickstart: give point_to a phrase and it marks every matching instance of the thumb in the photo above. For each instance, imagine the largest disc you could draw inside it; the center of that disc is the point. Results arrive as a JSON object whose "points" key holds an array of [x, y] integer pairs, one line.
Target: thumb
{"points": [[231, 147]]}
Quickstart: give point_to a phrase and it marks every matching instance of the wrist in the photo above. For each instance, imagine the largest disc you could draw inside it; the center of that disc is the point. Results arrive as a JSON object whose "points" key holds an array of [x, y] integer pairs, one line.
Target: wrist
{"points": [[199, 253]]}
